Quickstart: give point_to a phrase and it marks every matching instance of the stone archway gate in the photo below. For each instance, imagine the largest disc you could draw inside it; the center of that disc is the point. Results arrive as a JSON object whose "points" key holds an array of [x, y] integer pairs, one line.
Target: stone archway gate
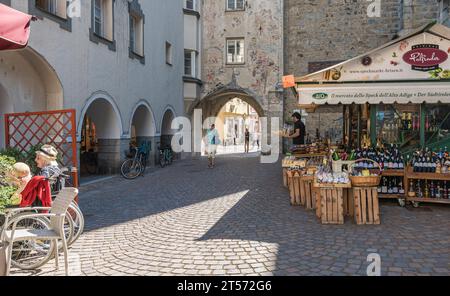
{"points": [[57, 128]]}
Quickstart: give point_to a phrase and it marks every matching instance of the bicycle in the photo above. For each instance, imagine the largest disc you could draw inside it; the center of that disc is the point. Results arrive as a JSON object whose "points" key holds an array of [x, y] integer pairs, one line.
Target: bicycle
{"points": [[135, 165], [165, 156]]}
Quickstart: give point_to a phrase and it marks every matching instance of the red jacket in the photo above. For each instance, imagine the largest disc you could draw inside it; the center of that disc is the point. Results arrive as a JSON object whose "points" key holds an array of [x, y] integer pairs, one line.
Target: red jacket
{"points": [[37, 187]]}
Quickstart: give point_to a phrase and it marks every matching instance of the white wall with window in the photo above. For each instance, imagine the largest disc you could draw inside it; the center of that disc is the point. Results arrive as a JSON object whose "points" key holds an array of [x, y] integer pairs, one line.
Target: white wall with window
{"points": [[235, 4], [55, 7], [235, 51]]}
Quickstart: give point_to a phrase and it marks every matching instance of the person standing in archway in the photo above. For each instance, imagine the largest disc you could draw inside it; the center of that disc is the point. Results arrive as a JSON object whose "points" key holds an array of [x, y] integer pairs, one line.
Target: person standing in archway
{"points": [[298, 136], [247, 140], [212, 140]]}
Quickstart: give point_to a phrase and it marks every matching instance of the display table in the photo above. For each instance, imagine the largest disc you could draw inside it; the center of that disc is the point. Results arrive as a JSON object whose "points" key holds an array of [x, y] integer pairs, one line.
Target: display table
{"points": [[410, 174]]}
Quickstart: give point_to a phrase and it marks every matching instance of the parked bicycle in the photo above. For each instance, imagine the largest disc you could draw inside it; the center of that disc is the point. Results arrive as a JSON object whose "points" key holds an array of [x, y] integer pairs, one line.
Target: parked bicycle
{"points": [[165, 156], [136, 163]]}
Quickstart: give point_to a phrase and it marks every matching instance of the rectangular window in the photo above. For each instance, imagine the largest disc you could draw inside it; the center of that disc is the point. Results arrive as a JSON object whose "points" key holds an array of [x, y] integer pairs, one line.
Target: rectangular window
{"points": [[190, 4], [98, 17], [55, 7], [187, 63], [444, 12], [235, 51], [235, 4], [168, 53], [137, 34], [190, 63]]}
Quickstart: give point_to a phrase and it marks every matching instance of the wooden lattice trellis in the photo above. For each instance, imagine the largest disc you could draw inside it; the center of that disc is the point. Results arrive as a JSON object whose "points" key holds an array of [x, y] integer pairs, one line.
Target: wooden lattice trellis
{"points": [[57, 128]]}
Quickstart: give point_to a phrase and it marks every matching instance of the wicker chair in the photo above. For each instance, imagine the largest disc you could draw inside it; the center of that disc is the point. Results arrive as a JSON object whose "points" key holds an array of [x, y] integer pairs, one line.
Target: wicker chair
{"points": [[55, 232]]}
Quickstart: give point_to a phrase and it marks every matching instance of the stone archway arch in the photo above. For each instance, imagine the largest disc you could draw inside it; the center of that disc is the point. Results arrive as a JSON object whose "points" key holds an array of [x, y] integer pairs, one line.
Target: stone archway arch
{"points": [[97, 97], [149, 121]]}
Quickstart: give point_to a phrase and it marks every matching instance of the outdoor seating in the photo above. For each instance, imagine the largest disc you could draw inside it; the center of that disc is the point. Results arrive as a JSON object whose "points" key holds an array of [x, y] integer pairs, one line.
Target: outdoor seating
{"points": [[54, 233]]}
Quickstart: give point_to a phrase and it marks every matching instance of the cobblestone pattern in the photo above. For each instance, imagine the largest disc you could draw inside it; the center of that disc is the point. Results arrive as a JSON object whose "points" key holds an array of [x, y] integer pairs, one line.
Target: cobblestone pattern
{"points": [[236, 220]]}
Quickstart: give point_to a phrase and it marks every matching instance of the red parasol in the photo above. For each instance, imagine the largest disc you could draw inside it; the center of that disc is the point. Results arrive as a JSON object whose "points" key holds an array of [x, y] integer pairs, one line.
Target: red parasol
{"points": [[14, 28]]}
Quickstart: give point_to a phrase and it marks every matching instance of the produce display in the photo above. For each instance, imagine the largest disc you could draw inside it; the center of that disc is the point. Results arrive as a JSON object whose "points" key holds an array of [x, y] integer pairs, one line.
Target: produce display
{"points": [[292, 161], [314, 148], [325, 175]]}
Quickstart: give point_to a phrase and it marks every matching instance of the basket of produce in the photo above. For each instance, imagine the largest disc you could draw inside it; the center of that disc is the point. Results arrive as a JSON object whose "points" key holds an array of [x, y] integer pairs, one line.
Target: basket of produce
{"points": [[341, 160], [365, 177]]}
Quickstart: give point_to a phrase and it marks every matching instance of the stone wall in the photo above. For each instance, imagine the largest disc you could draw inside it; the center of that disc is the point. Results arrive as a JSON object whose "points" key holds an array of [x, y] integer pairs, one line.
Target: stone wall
{"points": [[261, 26]]}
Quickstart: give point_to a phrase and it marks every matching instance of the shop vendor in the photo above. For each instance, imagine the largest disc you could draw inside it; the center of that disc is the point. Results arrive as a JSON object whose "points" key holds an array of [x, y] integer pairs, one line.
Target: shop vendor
{"points": [[298, 135]]}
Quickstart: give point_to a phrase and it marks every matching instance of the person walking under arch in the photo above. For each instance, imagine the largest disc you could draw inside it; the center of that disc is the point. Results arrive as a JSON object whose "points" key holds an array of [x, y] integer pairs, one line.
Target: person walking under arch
{"points": [[247, 140], [212, 140]]}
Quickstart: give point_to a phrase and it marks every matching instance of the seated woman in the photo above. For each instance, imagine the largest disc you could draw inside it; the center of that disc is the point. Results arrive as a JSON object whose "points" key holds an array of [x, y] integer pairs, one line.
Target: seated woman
{"points": [[49, 169], [19, 176]]}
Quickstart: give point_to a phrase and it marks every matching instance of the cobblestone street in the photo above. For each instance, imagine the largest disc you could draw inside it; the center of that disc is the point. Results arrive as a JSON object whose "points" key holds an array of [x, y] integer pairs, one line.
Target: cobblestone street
{"points": [[237, 220]]}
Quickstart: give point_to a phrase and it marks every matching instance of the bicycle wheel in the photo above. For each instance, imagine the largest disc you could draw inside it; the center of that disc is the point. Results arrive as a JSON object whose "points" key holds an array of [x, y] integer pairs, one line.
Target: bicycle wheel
{"points": [[78, 222], [32, 254], [131, 169]]}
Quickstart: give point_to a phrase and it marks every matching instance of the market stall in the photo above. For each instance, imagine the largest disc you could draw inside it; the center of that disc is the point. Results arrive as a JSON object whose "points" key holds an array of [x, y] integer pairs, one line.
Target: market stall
{"points": [[395, 103]]}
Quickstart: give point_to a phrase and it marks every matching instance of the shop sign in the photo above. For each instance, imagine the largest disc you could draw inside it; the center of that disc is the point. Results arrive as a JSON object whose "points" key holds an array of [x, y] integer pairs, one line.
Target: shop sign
{"points": [[320, 96], [425, 57]]}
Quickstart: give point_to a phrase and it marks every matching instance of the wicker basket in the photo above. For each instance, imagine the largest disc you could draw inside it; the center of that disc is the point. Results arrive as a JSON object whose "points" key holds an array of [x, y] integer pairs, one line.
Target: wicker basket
{"points": [[366, 181]]}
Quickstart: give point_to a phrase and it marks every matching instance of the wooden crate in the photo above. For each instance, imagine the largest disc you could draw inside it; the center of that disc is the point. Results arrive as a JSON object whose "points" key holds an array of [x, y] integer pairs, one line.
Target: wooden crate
{"points": [[332, 205], [366, 206], [294, 187], [348, 202], [285, 177], [308, 193]]}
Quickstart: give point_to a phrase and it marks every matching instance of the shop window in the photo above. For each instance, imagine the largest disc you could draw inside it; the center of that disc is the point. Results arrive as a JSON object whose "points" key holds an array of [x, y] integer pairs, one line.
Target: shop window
{"points": [[233, 5], [168, 53], [102, 30], [137, 20], [235, 51]]}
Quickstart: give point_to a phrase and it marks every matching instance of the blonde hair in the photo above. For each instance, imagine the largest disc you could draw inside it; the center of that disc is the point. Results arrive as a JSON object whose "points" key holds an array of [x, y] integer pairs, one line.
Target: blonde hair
{"points": [[21, 169]]}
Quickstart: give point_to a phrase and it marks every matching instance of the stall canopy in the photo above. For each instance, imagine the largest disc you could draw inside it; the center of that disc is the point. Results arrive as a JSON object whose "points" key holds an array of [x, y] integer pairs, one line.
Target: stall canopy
{"points": [[412, 69], [14, 28]]}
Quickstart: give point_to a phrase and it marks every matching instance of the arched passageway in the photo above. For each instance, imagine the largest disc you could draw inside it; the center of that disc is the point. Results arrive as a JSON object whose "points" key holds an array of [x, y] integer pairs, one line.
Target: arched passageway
{"points": [[28, 84], [100, 137], [166, 128]]}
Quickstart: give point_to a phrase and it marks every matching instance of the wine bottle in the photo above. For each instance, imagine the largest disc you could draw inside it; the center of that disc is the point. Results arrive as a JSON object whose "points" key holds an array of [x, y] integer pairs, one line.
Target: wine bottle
{"points": [[401, 188], [384, 188], [426, 190], [394, 186], [390, 187]]}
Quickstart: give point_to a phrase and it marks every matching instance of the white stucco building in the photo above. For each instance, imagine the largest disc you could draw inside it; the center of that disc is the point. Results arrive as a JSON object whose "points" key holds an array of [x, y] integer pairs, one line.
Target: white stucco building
{"points": [[119, 63]]}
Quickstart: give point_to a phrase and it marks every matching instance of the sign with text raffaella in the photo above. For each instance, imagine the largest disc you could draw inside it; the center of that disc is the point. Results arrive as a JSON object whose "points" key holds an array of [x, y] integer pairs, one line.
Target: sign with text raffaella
{"points": [[425, 57]]}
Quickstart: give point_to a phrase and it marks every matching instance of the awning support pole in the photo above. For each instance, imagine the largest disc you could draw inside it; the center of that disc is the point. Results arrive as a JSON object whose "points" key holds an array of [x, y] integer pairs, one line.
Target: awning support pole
{"points": [[373, 124], [422, 125]]}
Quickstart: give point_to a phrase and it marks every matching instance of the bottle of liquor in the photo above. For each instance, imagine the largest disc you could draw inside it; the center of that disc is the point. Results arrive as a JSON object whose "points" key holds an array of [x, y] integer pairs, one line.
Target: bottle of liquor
{"points": [[432, 190], [438, 193], [409, 123], [384, 188], [411, 190], [401, 188], [390, 187], [445, 191], [427, 123], [426, 190], [394, 186], [401, 163], [419, 192]]}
